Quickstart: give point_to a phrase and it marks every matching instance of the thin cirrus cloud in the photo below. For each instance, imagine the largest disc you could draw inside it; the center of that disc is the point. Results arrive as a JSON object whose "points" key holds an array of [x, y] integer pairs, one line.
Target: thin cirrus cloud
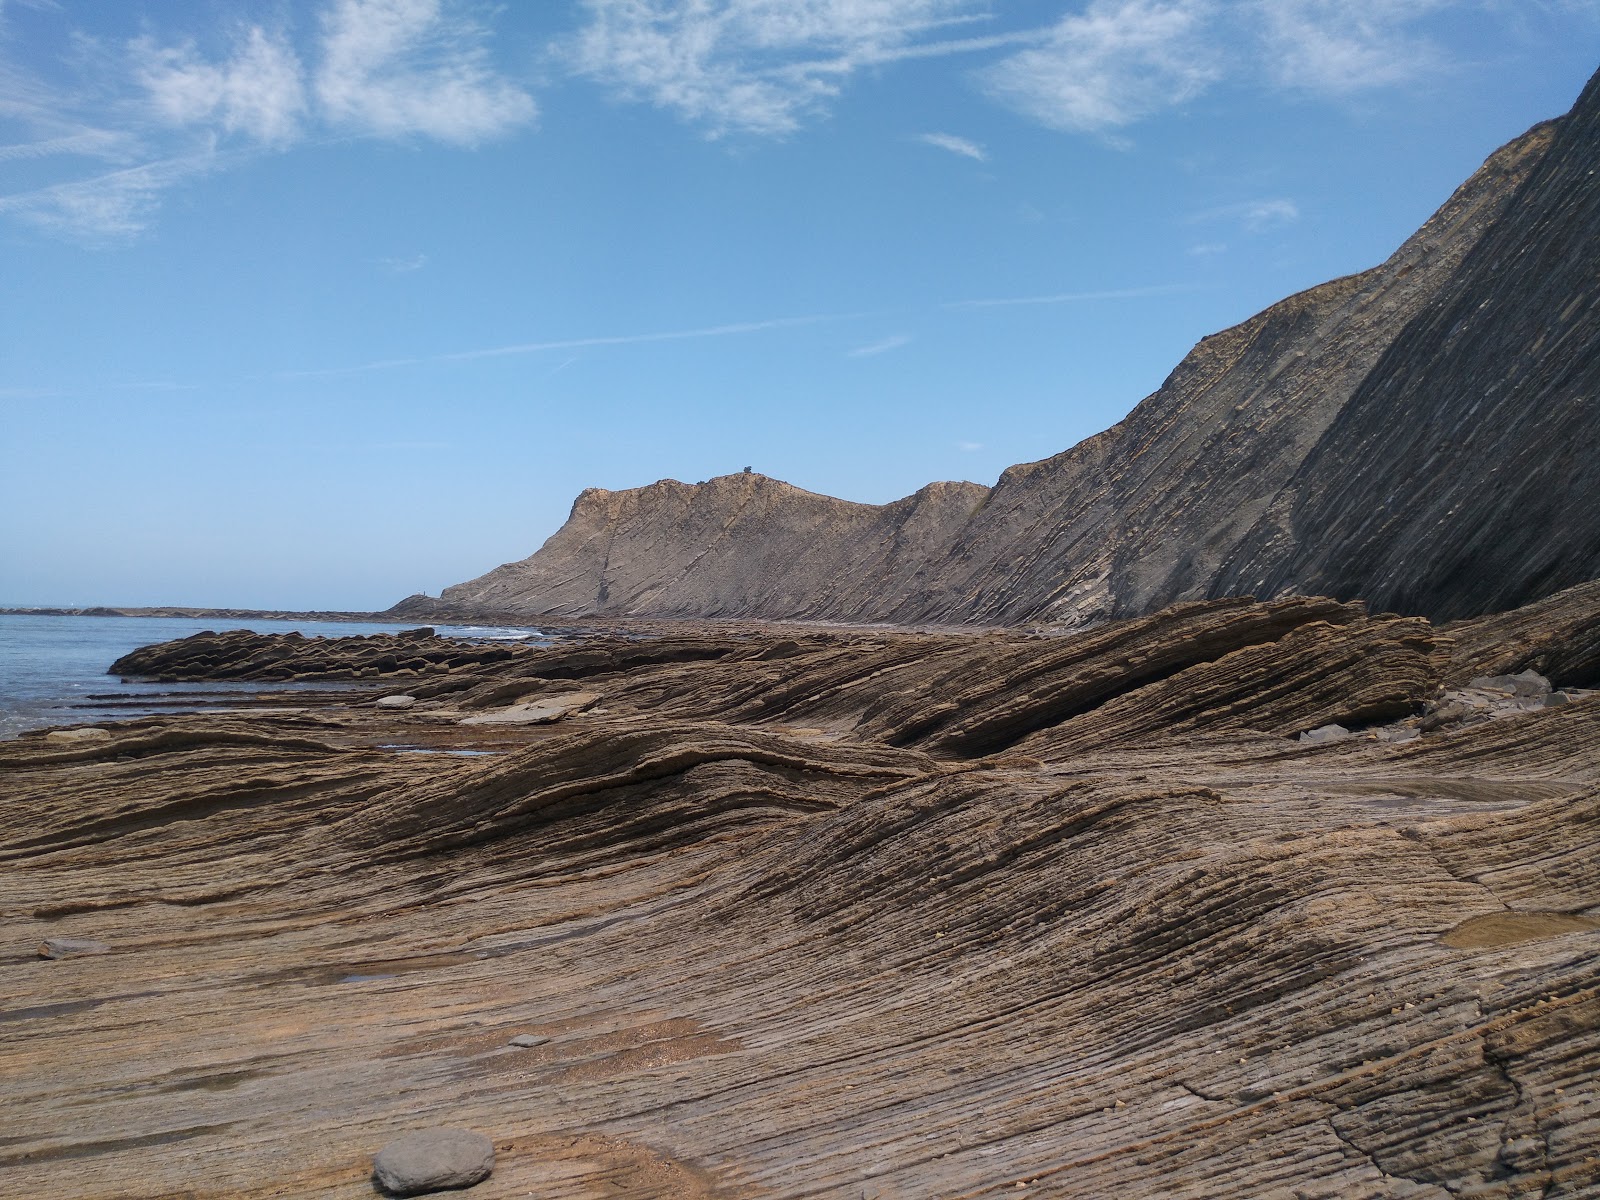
{"points": [[1136, 293], [755, 66], [763, 68], [1256, 216], [733, 329], [1114, 63], [1336, 46], [883, 346], [393, 69], [110, 204], [956, 145]]}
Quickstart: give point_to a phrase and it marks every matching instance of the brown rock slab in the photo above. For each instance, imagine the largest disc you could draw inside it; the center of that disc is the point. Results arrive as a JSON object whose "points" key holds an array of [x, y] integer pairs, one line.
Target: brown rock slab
{"points": [[543, 711], [77, 737]]}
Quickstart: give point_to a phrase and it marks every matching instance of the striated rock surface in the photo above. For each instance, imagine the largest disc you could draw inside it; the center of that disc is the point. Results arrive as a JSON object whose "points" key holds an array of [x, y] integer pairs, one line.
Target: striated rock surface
{"points": [[241, 654], [832, 912], [1422, 435]]}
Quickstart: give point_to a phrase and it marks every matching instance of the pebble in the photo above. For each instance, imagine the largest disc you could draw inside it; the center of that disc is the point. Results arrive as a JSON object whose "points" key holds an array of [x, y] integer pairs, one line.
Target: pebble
{"points": [[526, 1040]]}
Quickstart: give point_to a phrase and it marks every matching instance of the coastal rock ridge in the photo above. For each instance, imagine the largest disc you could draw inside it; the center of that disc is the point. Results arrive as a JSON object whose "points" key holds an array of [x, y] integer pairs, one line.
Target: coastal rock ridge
{"points": [[1424, 436]]}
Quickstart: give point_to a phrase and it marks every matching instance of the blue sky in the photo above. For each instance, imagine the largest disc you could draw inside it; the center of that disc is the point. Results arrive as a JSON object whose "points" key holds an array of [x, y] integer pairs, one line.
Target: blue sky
{"points": [[317, 303]]}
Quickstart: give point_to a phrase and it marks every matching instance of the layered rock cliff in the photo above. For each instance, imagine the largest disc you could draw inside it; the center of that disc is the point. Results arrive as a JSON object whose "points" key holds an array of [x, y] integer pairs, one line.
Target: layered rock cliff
{"points": [[1421, 435]]}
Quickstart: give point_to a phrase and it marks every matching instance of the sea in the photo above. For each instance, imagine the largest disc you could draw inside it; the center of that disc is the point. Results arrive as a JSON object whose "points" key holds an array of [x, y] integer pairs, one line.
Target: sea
{"points": [[53, 668]]}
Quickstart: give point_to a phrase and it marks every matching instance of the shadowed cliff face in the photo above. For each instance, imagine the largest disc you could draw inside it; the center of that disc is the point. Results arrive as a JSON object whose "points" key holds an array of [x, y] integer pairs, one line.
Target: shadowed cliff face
{"points": [[1422, 435], [1462, 476]]}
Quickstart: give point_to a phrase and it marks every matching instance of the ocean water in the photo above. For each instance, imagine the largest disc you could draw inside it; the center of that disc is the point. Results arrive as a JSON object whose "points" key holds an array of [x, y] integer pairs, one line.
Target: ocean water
{"points": [[52, 669]]}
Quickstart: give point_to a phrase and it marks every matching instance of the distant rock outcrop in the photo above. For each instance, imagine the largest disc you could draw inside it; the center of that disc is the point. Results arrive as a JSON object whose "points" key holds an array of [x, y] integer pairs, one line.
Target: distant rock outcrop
{"points": [[734, 546], [1423, 435]]}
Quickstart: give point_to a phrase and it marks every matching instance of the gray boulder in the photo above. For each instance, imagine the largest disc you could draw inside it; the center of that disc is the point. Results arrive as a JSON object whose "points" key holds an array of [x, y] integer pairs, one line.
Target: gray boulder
{"points": [[433, 1160]]}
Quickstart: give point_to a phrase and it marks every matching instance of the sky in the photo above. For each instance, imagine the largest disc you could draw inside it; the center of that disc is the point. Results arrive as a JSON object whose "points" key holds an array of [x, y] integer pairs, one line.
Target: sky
{"points": [[319, 303]]}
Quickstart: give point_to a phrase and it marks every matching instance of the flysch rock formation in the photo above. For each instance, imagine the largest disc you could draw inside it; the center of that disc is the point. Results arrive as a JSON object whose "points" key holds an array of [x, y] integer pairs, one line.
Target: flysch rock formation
{"points": [[737, 545], [829, 912], [1423, 435]]}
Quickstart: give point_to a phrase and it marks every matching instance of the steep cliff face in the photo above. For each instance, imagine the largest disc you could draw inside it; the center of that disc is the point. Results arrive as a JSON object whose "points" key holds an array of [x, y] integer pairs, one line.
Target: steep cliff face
{"points": [[1463, 476], [1422, 435]]}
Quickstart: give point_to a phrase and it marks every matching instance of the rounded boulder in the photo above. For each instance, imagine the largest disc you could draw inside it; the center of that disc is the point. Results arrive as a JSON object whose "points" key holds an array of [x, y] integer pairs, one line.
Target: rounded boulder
{"points": [[433, 1160]]}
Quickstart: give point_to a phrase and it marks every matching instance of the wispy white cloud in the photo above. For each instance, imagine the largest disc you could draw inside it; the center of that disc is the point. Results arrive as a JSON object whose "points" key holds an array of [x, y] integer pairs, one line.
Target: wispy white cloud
{"points": [[166, 111], [1112, 64], [969, 447], [401, 68], [1341, 46], [256, 91], [1164, 289], [756, 66], [87, 143], [1255, 215], [625, 339], [102, 207], [956, 145], [1116, 62], [1207, 249], [882, 347]]}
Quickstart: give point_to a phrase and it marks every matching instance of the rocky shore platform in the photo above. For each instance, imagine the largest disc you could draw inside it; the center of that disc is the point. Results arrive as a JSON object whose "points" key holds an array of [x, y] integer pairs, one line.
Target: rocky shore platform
{"points": [[1282, 900]]}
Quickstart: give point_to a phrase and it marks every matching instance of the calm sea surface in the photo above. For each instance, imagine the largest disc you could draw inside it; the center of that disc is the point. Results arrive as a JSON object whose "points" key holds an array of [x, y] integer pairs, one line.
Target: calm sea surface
{"points": [[52, 669]]}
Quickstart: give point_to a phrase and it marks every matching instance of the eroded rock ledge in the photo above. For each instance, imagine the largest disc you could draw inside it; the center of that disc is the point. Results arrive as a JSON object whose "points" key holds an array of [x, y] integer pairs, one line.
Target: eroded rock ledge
{"points": [[830, 912]]}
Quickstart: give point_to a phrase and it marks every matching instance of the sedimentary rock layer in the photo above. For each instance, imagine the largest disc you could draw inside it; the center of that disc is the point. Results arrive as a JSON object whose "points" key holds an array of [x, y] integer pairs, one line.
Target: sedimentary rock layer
{"points": [[1422, 435], [829, 913]]}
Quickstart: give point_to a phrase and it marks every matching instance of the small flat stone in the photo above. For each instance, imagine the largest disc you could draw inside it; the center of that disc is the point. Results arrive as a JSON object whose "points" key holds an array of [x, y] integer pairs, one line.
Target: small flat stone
{"points": [[1524, 683], [526, 1040], [1325, 733], [71, 947], [433, 1160], [542, 711], [396, 702], [75, 737]]}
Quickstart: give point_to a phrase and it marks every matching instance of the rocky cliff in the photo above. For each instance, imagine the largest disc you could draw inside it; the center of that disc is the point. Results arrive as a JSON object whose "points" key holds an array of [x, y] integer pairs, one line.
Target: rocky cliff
{"points": [[1421, 435]]}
